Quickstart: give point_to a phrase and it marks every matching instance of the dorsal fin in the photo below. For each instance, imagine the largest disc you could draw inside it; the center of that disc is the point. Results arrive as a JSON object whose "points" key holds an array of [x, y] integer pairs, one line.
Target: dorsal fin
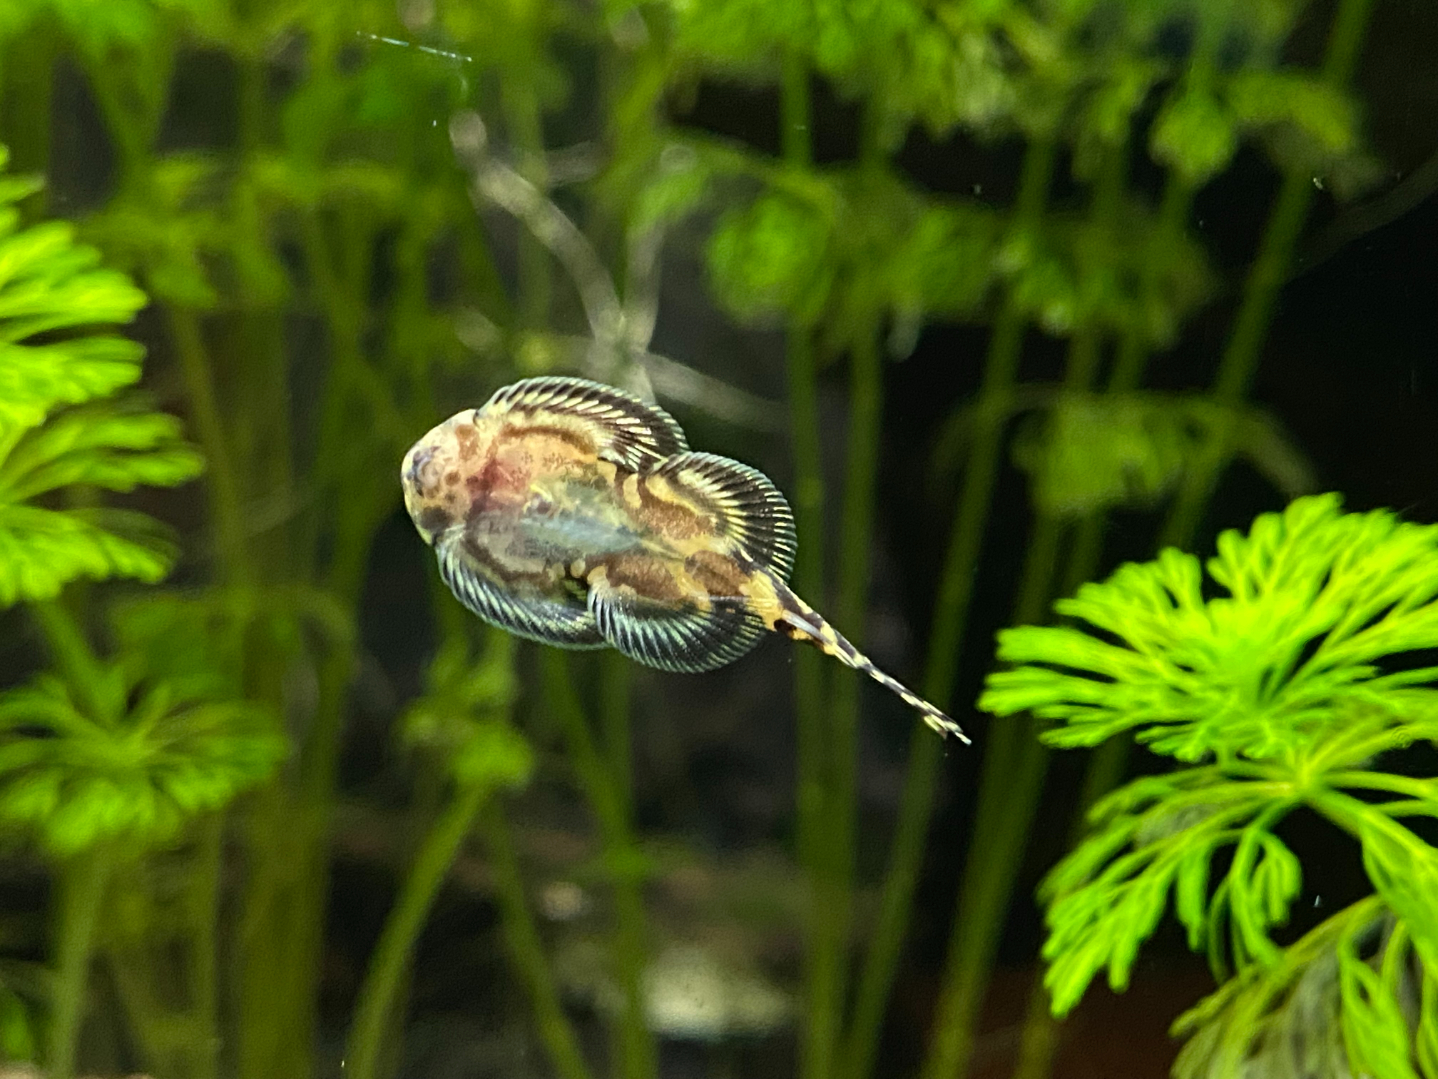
{"points": [[624, 429], [749, 508]]}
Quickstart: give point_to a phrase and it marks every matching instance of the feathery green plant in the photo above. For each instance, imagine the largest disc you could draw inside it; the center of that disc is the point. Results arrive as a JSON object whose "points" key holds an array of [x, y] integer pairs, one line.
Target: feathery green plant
{"points": [[99, 757], [1277, 695], [124, 760], [53, 293]]}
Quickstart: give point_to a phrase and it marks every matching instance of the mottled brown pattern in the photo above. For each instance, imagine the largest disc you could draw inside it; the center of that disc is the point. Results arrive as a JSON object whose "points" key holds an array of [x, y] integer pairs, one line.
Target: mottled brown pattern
{"points": [[531, 430], [466, 438], [666, 510], [717, 574], [650, 578]]}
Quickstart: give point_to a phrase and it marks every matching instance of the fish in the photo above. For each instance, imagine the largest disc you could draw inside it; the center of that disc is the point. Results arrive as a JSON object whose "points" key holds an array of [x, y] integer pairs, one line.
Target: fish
{"points": [[575, 514]]}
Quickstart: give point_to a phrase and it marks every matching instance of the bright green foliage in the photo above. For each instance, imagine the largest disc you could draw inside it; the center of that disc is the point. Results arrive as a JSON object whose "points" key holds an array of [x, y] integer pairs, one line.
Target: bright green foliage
{"points": [[1291, 683], [1316, 599], [127, 759], [1195, 136], [463, 715], [49, 283], [52, 286], [1307, 120]]}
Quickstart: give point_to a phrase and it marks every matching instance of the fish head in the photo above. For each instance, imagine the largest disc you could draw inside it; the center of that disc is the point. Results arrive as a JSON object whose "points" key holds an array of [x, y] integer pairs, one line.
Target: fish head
{"points": [[441, 473]]}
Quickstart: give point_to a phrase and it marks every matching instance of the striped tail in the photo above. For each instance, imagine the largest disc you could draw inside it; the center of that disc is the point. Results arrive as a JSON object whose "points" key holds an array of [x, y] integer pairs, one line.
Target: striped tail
{"points": [[796, 619]]}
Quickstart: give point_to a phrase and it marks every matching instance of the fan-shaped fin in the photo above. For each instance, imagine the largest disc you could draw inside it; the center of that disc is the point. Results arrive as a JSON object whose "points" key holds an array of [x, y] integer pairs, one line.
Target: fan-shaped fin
{"points": [[623, 428], [673, 637], [747, 506], [551, 615]]}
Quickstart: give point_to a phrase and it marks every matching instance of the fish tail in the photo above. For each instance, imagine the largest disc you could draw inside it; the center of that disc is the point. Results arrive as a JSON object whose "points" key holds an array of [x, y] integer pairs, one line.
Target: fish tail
{"points": [[796, 619]]}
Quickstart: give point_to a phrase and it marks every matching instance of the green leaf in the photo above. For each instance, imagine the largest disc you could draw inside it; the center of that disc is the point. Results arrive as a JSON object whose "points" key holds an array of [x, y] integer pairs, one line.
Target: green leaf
{"points": [[1279, 1019], [677, 188], [1317, 601], [101, 447], [127, 767], [1404, 869], [1425, 1044], [1096, 450], [770, 259], [495, 755], [52, 286], [1106, 897], [36, 378], [464, 715], [41, 549], [1194, 135], [1374, 1030], [1321, 112]]}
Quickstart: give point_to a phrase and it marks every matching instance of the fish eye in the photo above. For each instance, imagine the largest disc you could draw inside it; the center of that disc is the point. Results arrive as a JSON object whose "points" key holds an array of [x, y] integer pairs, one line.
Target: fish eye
{"points": [[423, 470]]}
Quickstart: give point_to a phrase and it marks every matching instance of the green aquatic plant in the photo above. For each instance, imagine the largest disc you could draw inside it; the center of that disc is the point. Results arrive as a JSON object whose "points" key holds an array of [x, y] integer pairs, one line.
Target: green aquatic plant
{"points": [[55, 362], [462, 719], [104, 764], [99, 759], [1278, 693]]}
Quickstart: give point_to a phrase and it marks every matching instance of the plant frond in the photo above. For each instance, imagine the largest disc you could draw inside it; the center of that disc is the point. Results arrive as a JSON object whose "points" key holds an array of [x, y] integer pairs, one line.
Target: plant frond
{"points": [[1318, 602], [53, 286]]}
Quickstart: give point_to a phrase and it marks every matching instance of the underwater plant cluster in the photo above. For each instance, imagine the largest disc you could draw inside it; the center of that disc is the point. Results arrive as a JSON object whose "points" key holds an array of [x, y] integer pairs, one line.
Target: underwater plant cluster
{"points": [[991, 289]]}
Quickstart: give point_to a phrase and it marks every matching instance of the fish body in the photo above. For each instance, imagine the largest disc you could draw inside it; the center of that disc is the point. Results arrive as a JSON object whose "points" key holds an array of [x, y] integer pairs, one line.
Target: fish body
{"points": [[575, 514]]}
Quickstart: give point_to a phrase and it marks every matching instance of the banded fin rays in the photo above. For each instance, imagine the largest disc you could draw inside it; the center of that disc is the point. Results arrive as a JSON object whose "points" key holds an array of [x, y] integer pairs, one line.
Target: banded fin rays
{"points": [[575, 514]]}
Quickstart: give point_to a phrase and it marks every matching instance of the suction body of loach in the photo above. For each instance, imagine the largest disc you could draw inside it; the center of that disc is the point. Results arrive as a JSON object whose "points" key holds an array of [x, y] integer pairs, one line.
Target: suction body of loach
{"points": [[575, 514]]}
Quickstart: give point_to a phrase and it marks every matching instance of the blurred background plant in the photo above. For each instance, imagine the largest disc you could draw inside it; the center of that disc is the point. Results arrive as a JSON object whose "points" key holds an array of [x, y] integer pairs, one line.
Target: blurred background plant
{"points": [[350, 221]]}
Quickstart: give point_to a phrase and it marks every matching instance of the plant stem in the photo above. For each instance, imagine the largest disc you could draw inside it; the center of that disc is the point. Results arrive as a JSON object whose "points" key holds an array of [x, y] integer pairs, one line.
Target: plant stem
{"points": [[223, 486], [81, 884], [78, 664], [27, 76], [635, 1054], [615, 677], [525, 123], [946, 636], [1015, 762], [812, 750], [526, 949], [377, 996], [1260, 291], [204, 899], [637, 1058], [833, 869]]}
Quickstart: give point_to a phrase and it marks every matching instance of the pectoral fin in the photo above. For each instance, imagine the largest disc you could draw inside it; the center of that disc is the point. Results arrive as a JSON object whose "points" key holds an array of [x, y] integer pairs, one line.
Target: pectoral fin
{"points": [[552, 615]]}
